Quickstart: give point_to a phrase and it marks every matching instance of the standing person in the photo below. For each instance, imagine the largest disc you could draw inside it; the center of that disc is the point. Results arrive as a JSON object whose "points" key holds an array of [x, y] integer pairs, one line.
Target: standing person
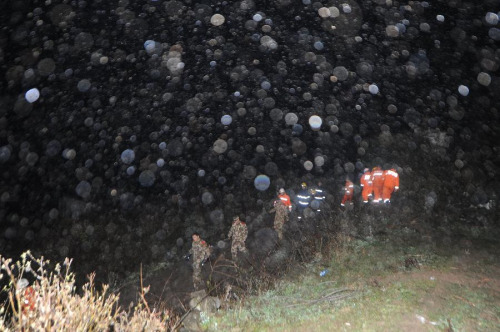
{"points": [[303, 199], [238, 233], [377, 183], [283, 196], [318, 197], [366, 183], [200, 252], [280, 217], [348, 192], [391, 184]]}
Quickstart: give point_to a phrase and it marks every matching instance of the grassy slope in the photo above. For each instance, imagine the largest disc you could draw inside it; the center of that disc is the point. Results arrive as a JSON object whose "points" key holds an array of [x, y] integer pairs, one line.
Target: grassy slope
{"points": [[461, 286]]}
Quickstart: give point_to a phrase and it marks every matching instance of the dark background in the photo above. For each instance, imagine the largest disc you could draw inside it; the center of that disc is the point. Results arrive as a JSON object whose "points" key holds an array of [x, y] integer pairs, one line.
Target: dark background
{"points": [[84, 204]]}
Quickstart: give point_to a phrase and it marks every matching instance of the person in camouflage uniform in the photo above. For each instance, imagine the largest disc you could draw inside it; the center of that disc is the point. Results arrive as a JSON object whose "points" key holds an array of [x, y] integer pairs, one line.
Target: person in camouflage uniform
{"points": [[200, 251], [280, 217], [238, 233]]}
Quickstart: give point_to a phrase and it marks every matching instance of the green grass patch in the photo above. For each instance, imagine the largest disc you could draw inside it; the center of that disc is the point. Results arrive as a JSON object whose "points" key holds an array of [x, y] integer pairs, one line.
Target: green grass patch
{"points": [[383, 294]]}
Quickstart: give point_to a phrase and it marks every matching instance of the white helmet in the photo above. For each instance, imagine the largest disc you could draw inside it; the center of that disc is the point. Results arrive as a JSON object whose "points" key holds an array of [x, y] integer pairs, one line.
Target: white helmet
{"points": [[282, 191]]}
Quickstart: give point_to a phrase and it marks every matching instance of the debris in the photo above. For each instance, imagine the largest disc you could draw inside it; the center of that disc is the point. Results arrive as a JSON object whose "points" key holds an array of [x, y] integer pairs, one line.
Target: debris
{"points": [[411, 263]]}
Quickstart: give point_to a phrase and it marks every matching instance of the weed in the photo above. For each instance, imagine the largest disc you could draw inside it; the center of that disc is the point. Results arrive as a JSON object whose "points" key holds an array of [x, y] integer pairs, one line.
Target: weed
{"points": [[386, 295], [52, 303]]}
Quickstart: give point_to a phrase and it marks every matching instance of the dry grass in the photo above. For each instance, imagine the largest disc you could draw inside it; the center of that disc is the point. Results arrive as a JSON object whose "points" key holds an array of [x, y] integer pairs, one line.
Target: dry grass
{"points": [[51, 302]]}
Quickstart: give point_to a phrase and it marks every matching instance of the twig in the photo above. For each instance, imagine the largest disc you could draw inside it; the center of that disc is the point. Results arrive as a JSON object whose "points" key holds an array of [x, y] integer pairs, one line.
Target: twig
{"points": [[144, 291], [312, 302], [301, 255], [328, 297], [226, 275], [327, 282], [465, 300]]}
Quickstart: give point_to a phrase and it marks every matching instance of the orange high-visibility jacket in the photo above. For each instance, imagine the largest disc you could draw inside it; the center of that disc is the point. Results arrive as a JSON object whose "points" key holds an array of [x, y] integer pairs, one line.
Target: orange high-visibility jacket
{"points": [[378, 178], [349, 188], [366, 180], [391, 179], [29, 299], [285, 199]]}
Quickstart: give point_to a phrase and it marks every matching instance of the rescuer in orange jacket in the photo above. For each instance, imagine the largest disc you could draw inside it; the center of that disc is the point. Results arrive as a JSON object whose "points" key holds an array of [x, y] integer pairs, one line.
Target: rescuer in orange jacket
{"points": [[391, 184], [377, 183], [348, 192], [285, 199], [366, 183], [28, 296]]}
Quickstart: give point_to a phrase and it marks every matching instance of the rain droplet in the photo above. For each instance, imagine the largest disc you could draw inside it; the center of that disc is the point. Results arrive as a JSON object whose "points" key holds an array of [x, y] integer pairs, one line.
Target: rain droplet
{"points": [[83, 85], [32, 95], [220, 146], [324, 12], [297, 129], [83, 189], [334, 11], [147, 178], [31, 158], [217, 216], [130, 170], [392, 31], [265, 85], [257, 17], [226, 120], [291, 119], [262, 182], [127, 156], [249, 172], [315, 122], [276, 114], [319, 45], [341, 73], [484, 78], [217, 20], [207, 198], [349, 167], [69, 154], [4, 154], [491, 18], [319, 161], [463, 90], [373, 88], [494, 33]]}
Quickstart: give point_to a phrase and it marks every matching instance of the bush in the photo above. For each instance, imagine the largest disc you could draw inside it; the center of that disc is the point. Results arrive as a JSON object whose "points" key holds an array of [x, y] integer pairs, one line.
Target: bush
{"points": [[51, 302]]}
